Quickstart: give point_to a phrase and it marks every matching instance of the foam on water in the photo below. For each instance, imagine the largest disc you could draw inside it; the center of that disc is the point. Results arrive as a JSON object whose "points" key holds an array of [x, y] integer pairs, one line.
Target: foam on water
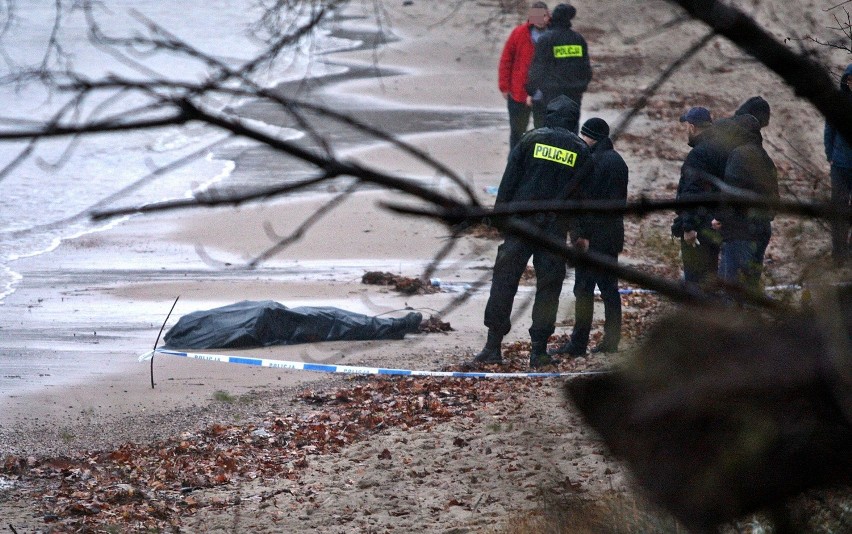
{"points": [[46, 197]]}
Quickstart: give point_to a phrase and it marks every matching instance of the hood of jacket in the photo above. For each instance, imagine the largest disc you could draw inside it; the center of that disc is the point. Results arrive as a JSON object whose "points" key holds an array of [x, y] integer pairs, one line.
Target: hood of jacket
{"points": [[846, 74], [734, 131], [562, 112], [750, 128], [562, 15]]}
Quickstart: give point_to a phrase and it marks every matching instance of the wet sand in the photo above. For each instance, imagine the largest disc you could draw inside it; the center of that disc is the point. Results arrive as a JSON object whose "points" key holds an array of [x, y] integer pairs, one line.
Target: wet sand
{"points": [[74, 327]]}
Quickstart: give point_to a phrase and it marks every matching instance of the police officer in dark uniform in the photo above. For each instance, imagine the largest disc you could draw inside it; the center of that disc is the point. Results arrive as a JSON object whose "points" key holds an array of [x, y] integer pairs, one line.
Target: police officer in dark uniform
{"points": [[560, 65], [548, 164]]}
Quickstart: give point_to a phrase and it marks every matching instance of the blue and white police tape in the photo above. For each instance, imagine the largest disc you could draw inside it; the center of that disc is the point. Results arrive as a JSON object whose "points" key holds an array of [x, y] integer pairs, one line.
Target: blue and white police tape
{"points": [[349, 369]]}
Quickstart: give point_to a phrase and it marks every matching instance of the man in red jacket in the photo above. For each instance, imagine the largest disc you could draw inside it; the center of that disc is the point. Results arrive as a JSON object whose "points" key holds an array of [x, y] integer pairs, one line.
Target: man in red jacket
{"points": [[514, 65]]}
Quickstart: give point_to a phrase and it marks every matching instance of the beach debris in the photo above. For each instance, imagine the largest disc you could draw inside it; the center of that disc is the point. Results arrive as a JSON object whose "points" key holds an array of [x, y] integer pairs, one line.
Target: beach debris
{"points": [[483, 231], [403, 284], [434, 325]]}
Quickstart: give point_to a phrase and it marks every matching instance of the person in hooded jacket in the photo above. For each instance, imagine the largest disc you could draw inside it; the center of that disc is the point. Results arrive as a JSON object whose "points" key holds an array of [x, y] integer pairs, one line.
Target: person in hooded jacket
{"points": [[549, 163], [699, 244], [602, 234], [560, 65], [839, 154], [758, 108], [515, 65], [746, 231]]}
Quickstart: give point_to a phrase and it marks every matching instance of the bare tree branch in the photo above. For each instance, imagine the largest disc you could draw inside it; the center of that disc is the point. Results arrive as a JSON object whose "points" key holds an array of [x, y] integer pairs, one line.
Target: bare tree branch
{"points": [[289, 104], [649, 91], [299, 232], [806, 77]]}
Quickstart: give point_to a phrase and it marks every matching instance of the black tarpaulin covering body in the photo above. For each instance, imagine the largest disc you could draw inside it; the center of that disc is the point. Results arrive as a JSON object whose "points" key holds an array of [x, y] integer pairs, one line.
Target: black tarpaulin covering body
{"points": [[263, 323]]}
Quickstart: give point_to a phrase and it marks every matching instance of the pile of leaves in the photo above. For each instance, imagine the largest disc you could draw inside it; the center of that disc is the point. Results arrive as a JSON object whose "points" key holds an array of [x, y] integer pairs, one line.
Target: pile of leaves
{"points": [[403, 284], [434, 325], [668, 109], [614, 67], [660, 270], [483, 231], [640, 310], [151, 486]]}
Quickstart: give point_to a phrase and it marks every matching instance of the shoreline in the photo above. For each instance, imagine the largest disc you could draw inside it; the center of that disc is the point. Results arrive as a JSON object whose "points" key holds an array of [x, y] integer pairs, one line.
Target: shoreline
{"points": [[94, 304]]}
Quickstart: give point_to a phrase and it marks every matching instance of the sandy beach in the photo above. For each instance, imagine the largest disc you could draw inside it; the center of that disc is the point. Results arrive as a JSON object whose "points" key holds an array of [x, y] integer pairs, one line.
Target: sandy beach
{"points": [[90, 307], [85, 311]]}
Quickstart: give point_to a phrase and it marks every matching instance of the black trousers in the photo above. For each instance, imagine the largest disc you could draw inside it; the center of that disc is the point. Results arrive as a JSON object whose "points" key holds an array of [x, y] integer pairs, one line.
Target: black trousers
{"points": [[519, 121], [585, 280], [512, 258]]}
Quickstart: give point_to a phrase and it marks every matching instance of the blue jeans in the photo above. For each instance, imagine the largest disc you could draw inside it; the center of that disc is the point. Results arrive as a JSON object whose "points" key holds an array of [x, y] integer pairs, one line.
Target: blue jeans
{"points": [[738, 263]]}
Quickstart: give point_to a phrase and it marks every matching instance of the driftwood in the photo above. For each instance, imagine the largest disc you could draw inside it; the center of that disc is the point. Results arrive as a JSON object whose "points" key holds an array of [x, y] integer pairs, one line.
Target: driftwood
{"points": [[722, 415]]}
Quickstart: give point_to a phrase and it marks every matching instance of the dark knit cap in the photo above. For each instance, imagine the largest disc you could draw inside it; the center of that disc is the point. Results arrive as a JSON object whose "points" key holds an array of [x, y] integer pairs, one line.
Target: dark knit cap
{"points": [[595, 129], [758, 108], [563, 14]]}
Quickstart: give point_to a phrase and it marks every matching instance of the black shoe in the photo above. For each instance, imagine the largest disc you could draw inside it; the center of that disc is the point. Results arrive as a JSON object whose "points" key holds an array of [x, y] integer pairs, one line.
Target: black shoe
{"points": [[568, 348], [491, 353], [603, 347], [488, 355], [541, 359], [412, 322]]}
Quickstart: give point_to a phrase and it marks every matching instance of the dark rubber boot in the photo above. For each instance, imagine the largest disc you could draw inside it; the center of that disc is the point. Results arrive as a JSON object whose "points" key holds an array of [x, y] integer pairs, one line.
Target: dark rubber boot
{"points": [[539, 356], [569, 348], [410, 324], [491, 353], [605, 346]]}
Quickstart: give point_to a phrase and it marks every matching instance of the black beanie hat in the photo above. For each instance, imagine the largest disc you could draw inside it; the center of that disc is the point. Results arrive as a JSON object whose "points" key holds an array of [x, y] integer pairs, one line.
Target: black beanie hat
{"points": [[562, 14], [595, 129], [758, 108]]}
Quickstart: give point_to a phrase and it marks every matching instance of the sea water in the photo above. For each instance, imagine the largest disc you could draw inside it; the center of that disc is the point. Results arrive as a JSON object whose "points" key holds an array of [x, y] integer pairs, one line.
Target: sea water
{"points": [[46, 196]]}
